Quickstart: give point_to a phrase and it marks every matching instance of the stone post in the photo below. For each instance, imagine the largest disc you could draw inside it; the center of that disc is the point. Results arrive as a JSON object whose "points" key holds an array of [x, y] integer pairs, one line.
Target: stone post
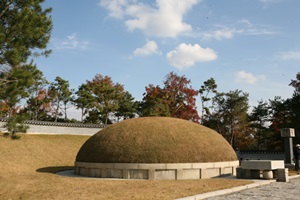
{"points": [[287, 134]]}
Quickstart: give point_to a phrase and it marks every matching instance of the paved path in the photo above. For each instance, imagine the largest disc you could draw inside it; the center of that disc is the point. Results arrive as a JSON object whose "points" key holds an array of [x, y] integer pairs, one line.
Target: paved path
{"points": [[272, 191], [260, 189]]}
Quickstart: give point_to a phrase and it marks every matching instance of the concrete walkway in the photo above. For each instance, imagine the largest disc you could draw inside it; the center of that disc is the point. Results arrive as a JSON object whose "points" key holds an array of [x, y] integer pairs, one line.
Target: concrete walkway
{"points": [[260, 189]]}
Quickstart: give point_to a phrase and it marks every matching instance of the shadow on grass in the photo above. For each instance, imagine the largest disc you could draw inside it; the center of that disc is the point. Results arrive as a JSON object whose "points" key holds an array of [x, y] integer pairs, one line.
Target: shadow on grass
{"points": [[54, 169]]}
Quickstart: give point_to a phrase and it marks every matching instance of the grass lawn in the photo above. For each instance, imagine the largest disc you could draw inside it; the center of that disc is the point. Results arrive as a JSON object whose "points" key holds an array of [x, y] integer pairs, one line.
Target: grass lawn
{"points": [[28, 167]]}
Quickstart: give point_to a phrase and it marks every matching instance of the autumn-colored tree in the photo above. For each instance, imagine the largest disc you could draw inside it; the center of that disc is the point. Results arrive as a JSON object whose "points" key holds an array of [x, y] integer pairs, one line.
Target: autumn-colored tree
{"points": [[106, 96], [181, 97], [154, 102], [296, 83], [40, 107], [37, 104], [175, 99]]}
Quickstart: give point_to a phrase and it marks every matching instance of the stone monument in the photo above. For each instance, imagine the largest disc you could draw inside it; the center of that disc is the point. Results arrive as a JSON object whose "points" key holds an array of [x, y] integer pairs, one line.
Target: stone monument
{"points": [[287, 134]]}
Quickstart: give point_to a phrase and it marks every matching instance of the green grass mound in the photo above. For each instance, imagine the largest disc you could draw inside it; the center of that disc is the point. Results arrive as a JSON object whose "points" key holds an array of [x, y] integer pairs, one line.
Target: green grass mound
{"points": [[156, 140]]}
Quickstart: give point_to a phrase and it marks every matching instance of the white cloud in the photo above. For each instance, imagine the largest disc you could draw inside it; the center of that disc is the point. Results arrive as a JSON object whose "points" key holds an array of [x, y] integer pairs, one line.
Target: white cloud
{"points": [[186, 55], [116, 8], [291, 55], [246, 22], [257, 31], [218, 34], [165, 19], [70, 42], [245, 77], [243, 27], [268, 2], [149, 48]]}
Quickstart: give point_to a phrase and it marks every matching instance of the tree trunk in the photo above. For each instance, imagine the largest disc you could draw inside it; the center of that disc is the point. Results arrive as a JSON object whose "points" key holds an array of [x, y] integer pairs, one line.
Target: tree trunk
{"points": [[82, 111], [66, 117], [56, 113]]}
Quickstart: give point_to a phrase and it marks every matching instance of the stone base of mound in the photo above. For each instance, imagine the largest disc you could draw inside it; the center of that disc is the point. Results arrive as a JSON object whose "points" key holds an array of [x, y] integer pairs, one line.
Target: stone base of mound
{"points": [[167, 171]]}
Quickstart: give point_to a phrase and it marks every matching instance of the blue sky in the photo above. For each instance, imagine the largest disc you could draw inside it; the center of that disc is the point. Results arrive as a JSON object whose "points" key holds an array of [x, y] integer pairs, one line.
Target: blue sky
{"points": [[250, 45]]}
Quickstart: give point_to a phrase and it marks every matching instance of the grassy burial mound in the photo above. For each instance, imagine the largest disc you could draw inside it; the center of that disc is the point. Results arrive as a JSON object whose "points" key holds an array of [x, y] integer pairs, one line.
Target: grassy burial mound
{"points": [[156, 140]]}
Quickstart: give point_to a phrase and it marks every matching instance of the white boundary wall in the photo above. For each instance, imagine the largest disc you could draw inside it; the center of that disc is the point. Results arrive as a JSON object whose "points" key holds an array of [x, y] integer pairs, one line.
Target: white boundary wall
{"points": [[59, 128]]}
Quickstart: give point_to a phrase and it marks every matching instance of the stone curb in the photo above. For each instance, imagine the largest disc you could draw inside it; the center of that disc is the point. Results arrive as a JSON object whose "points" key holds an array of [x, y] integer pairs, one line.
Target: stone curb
{"points": [[231, 190]]}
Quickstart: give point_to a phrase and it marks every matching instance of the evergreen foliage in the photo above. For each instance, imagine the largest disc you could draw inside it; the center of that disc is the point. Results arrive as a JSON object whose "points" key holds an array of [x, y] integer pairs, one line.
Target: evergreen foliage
{"points": [[230, 118], [208, 87], [103, 101], [20, 80], [61, 95], [16, 125], [25, 29]]}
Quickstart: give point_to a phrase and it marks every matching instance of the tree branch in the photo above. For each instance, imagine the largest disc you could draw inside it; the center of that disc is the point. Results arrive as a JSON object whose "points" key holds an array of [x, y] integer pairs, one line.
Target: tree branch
{"points": [[6, 8]]}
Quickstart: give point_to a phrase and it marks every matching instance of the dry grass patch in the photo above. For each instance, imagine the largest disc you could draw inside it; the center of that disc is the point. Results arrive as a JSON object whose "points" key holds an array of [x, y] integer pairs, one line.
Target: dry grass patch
{"points": [[27, 168], [293, 172]]}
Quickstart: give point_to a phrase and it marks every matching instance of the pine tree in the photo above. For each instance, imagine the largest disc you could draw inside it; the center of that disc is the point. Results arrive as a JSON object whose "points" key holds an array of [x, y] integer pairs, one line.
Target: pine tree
{"points": [[25, 29]]}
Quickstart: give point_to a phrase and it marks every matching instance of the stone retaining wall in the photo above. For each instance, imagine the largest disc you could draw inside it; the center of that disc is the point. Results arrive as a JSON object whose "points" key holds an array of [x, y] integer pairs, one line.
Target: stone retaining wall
{"points": [[167, 171]]}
